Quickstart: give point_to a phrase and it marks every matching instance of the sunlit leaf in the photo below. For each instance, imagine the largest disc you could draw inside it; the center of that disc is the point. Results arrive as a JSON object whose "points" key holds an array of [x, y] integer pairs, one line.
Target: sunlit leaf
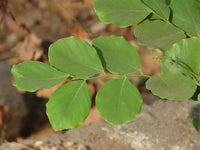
{"points": [[183, 57], [121, 12], [69, 105], [33, 75], [117, 54], [76, 57], [118, 101]]}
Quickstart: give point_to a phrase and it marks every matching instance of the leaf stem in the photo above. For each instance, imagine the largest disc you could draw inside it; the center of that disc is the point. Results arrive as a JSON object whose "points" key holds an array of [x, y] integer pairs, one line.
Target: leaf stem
{"points": [[188, 69], [165, 20], [117, 75], [197, 81]]}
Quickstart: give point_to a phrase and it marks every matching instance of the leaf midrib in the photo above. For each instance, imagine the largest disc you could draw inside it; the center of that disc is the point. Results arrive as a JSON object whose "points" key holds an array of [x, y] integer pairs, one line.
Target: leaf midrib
{"points": [[120, 95], [75, 95], [60, 77]]}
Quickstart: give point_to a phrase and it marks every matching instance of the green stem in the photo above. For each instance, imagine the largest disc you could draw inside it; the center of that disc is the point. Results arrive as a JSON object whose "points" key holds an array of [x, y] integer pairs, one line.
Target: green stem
{"points": [[116, 75], [197, 80], [105, 75], [189, 70], [165, 20]]}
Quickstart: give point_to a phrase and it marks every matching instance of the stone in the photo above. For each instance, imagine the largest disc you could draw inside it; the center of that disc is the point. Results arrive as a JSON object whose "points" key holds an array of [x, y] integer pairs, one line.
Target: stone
{"points": [[14, 101], [164, 125]]}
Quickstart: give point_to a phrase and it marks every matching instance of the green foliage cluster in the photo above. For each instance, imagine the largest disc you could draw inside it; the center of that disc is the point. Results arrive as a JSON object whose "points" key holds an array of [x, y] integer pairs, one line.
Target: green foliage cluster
{"points": [[173, 26]]}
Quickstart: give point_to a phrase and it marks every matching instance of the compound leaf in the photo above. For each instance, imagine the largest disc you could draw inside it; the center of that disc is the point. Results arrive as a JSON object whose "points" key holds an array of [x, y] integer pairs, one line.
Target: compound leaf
{"points": [[118, 54], [160, 7], [183, 57], [196, 123], [172, 86], [121, 12], [158, 34], [33, 75], [118, 101], [186, 15], [76, 57], [69, 105]]}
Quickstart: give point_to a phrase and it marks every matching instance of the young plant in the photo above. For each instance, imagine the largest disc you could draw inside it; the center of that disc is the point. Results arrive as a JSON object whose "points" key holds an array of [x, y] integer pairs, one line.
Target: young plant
{"points": [[171, 26]]}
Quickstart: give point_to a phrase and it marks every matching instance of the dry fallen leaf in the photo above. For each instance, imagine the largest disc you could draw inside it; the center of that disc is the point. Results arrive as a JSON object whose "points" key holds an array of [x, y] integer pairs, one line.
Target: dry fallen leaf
{"points": [[149, 65], [47, 92], [4, 110], [92, 89], [30, 48], [93, 117], [67, 10], [78, 32]]}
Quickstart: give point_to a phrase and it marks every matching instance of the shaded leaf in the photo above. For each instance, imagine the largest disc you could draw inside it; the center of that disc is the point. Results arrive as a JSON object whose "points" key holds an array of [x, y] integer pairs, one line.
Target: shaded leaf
{"points": [[69, 105], [172, 86], [183, 57], [168, 2], [33, 75], [186, 15], [75, 56], [158, 34], [122, 13], [117, 54], [196, 123], [196, 94], [159, 7], [199, 97], [118, 101]]}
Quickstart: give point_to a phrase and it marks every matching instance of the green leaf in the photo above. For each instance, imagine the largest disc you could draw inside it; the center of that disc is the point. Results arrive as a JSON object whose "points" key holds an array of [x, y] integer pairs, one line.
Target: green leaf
{"points": [[196, 94], [121, 12], [198, 98], [186, 15], [159, 7], [183, 57], [76, 57], [118, 101], [168, 2], [196, 123], [118, 54], [154, 17], [172, 86], [158, 34], [69, 105], [33, 75]]}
